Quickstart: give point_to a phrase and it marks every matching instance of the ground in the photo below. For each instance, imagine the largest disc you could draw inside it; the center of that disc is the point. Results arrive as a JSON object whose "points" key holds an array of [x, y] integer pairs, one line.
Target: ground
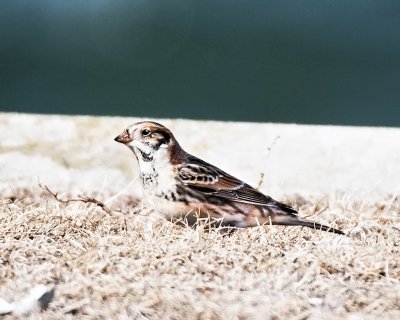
{"points": [[115, 258], [130, 263]]}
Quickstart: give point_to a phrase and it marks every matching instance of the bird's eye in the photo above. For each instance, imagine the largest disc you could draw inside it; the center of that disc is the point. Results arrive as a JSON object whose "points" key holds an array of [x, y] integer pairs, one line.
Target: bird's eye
{"points": [[145, 132]]}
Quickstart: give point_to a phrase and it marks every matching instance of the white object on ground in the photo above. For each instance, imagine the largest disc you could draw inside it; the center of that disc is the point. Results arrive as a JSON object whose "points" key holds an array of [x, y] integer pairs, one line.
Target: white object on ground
{"points": [[38, 297]]}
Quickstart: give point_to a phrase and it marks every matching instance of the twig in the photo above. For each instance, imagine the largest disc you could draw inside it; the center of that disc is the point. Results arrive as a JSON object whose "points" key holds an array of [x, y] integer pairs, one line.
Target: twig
{"points": [[79, 199], [260, 182], [274, 142]]}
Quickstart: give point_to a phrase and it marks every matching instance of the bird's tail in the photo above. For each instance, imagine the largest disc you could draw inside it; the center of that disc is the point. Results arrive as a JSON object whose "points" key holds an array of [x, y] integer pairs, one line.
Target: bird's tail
{"points": [[316, 225], [294, 220]]}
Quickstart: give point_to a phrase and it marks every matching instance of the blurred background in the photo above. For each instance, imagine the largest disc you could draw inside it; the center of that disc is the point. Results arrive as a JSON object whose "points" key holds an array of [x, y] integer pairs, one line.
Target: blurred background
{"points": [[311, 61]]}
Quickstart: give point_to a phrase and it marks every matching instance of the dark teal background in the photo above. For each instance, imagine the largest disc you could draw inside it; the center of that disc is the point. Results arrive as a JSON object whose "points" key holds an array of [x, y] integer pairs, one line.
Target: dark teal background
{"points": [[328, 62]]}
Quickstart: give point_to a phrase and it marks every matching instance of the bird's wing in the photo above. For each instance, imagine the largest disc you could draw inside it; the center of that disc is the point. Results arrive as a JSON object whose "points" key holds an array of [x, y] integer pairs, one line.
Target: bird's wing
{"points": [[208, 179]]}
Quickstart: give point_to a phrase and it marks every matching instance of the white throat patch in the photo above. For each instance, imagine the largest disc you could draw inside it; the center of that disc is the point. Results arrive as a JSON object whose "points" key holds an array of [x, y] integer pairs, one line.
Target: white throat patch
{"points": [[151, 159]]}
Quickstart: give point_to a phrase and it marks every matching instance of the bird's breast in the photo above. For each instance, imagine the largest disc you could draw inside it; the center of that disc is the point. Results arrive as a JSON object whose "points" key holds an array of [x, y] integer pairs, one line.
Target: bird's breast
{"points": [[161, 191]]}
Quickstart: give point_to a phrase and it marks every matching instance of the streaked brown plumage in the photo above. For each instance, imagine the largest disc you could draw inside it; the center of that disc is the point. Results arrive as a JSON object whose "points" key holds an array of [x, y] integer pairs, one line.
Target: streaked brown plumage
{"points": [[181, 186]]}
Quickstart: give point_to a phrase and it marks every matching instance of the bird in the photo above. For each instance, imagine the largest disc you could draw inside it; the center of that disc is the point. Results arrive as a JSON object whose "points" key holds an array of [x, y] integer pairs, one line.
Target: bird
{"points": [[182, 187]]}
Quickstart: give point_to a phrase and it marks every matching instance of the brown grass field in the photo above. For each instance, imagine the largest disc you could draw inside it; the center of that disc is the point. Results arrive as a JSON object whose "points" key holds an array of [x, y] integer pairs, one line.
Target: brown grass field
{"points": [[122, 261], [131, 264]]}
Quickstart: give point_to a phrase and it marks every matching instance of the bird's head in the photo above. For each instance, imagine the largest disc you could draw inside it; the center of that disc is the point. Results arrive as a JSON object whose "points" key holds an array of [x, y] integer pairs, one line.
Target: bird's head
{"points": [[150, 141]]}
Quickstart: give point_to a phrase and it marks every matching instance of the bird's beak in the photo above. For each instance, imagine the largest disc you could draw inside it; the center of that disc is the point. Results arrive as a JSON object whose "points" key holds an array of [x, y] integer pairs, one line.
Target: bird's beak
{"points": [[124, 138]]}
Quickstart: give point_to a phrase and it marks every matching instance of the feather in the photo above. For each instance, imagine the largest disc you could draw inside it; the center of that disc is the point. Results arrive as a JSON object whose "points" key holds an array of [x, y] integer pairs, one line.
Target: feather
{"points": [[206, 178]]}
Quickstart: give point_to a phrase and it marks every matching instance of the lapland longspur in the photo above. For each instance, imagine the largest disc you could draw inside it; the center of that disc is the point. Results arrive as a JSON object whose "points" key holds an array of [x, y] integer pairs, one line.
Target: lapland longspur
{"points": [[180, 186]]}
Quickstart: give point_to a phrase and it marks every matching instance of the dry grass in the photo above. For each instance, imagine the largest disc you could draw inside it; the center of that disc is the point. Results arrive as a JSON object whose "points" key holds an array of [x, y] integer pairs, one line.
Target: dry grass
{"points": [[132, 264]]}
